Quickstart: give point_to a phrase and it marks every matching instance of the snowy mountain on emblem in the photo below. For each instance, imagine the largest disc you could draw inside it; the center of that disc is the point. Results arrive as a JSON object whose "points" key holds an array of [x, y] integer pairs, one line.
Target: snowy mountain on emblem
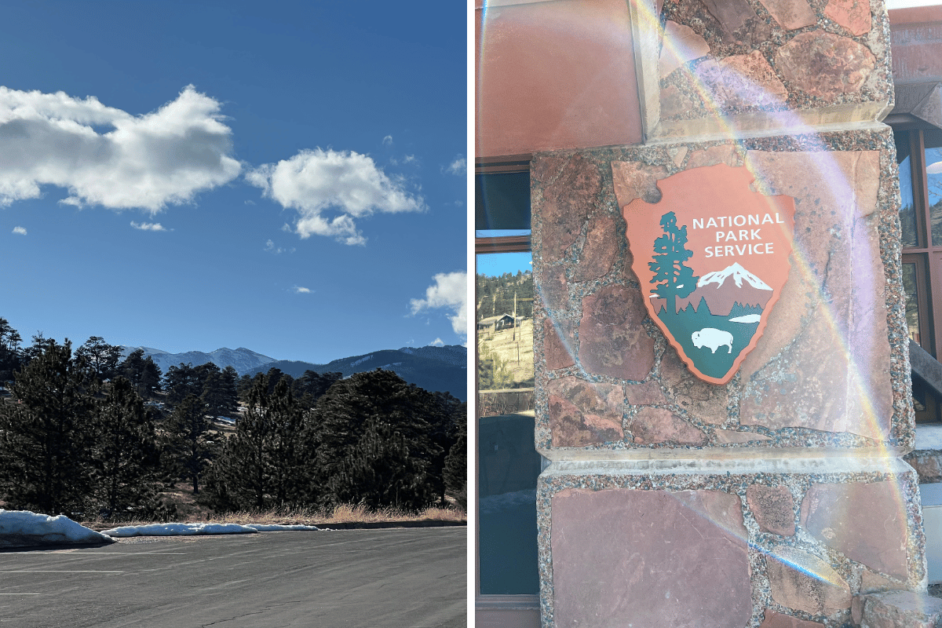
{"points": [[738, 273]]}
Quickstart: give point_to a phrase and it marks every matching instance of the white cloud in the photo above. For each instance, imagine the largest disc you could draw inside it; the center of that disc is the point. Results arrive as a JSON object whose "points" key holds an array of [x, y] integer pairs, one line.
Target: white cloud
{"points": [[148, 226], [459, 166], [300, 290], [277, 250], [437, 343], [935, 168], [19, 230], [387, 141], [106, 156], [317, 181], [450, 291], [408, 159]]}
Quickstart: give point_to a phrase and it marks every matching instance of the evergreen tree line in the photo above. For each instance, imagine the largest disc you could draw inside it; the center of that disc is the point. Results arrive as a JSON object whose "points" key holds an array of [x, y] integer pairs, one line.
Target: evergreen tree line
{"points": [[82, 432], [496, 295]]}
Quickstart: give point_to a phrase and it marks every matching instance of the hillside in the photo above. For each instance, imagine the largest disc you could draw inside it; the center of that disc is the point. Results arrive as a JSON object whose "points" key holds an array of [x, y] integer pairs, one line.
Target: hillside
{"points": [[436, 369]]}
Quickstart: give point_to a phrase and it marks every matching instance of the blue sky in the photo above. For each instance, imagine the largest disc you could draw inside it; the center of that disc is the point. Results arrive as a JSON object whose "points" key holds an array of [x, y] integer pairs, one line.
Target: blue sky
{"points": [[287, 177]]}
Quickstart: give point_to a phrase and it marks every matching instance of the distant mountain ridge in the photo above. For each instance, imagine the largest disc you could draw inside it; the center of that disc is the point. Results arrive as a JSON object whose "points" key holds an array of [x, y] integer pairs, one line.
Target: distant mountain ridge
{"points": [[241, 359], [436, 369]]}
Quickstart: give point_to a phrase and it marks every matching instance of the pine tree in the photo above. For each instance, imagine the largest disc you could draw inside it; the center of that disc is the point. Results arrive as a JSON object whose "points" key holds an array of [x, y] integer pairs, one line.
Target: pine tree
{"points": [[181, 381], [188, 446], [673, 278], [124, 457], [44, 436], [100, 357], [373, 443]]}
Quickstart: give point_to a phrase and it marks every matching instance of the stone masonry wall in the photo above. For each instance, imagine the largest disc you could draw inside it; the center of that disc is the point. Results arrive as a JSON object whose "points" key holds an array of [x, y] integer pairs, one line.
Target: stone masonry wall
{"points": [[778, 499]]}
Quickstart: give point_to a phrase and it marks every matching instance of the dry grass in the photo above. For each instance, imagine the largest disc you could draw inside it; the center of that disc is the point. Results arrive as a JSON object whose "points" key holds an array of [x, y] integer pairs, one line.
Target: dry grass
{"points": [[515, 350], [344, 513]]}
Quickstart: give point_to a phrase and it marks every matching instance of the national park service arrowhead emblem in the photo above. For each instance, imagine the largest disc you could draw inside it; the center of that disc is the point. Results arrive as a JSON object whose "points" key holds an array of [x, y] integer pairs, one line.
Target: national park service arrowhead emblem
{"points": [[712, 257]]}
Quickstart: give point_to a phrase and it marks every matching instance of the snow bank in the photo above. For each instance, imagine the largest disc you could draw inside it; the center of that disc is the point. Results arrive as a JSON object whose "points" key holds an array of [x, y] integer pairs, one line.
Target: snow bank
{"points": [[21, 528], [279, 528], [190, 529], [179, 529]]}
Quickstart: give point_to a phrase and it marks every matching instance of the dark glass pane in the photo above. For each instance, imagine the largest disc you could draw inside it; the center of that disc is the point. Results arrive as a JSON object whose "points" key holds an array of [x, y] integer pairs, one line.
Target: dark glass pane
{"points": [[502, 201], [907, 212], [933, 156], [508, 463], [912, 302], [508, 466]]}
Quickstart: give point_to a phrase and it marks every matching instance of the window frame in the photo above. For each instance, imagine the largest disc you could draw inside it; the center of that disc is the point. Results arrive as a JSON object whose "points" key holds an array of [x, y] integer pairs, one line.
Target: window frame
{"points": [[926, 256], [504, 611]]}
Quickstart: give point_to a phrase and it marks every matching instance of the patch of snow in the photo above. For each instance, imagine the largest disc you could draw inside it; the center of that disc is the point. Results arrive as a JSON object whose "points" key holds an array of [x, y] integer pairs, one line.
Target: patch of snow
{"points": [[748, 318], [179, 529], [273, 527], [21, 528], [361, 360], [193, 529]]}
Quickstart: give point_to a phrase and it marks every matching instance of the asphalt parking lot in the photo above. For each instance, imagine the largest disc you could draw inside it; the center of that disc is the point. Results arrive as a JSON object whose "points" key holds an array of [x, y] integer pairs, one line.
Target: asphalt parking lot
{"points": [[409, 578]]}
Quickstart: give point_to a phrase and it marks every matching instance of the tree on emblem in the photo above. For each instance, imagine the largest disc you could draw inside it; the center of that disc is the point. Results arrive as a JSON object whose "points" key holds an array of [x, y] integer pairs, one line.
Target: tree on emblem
{"points": [[672, 278]]}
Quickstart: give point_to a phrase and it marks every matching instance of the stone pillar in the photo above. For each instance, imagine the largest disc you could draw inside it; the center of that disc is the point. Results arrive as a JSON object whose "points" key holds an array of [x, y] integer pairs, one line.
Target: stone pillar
{"points": [[777, 498]]}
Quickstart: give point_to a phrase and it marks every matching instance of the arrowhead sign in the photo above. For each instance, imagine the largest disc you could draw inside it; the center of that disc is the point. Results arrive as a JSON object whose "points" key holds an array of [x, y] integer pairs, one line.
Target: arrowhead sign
{"points": [[712, 257]]}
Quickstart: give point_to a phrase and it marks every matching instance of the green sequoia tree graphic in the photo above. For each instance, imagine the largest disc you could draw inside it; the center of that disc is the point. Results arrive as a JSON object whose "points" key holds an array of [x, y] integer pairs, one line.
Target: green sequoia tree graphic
{"points": [[672, 278]]}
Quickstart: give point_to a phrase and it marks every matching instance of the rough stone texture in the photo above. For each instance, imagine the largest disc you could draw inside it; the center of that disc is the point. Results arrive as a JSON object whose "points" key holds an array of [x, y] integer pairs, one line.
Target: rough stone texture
{"points": [[659, 425], [720, 154], [777, 620], [738, 20], [635, 180], [773, 507], [554, 289], [677, 155], [700, 399], [824, 65], [724, 437], [612, 340], [661, 558], [835, 303], [791, 14], [557, 352], [928, 464], [878, 539], [675, 103], [873, 582], [680, 45], [567, 198], [901, 609], [599, 251], [854, 15], [583, 413], [742, 81], [804, 582], [645, 394]]}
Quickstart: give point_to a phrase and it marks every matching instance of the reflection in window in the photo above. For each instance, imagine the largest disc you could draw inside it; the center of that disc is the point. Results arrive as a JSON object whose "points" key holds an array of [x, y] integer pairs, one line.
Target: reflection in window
{"points": [[912, 302], [508, 463], [907, 212], [933, 156]]}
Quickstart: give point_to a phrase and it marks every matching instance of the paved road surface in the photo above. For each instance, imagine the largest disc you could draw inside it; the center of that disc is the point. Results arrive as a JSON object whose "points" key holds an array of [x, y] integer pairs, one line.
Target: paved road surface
{"points": [[408, 578]]}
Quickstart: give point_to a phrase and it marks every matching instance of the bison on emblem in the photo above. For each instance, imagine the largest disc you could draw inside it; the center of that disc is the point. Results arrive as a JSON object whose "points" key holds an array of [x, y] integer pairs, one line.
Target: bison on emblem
{"points": [[712, 338]]}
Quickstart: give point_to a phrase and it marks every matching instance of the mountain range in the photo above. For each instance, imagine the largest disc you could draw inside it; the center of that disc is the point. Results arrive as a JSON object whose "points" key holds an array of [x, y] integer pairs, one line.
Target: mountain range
{"points": [[436, 369], [724, 288]]}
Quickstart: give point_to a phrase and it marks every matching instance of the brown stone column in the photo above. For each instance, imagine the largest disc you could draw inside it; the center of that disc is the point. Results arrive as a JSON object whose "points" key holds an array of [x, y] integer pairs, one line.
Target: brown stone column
{"points": [[777, 498]]}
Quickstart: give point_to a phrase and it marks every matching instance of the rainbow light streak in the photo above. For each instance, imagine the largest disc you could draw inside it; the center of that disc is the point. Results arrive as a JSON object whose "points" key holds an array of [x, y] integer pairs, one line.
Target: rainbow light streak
{"points": [[841, 195]]}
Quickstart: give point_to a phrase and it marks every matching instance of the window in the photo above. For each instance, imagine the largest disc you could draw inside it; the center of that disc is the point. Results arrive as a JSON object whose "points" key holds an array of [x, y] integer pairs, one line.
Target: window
{"points": [[507, 577], [919, 155]]}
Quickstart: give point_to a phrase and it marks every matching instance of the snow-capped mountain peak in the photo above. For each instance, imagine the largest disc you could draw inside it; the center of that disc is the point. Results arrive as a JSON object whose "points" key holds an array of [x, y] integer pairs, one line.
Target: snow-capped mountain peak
{"points": [[738, 273]]}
